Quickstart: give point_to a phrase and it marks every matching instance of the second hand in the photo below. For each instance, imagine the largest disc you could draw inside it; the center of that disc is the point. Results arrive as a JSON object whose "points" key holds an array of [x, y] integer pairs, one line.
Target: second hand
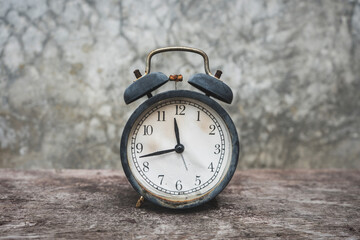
{"points": [[184, 161]]}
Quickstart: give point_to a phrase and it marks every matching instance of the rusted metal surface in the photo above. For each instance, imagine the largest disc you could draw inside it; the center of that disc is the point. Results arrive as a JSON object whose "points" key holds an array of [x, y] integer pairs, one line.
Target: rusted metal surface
{"points": [[257, 204], [176, 78], [137, 73], [218, 74]]}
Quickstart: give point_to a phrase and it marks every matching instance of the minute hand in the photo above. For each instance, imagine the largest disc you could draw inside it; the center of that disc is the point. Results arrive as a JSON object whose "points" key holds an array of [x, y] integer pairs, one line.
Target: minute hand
{"points": [[158, 153], [176, 128]]}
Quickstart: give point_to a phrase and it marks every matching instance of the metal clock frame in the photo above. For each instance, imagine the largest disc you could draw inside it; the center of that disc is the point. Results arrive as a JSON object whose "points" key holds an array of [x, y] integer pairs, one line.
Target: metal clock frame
{"points": [[234, 155]]}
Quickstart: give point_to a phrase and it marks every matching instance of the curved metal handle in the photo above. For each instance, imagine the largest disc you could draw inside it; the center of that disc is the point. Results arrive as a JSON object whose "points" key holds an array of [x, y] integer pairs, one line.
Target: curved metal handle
{"points": [[182, 49]]}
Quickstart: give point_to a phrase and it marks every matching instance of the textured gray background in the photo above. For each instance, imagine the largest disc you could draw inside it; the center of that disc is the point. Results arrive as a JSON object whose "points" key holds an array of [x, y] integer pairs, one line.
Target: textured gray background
{"points": [[293, 67]]}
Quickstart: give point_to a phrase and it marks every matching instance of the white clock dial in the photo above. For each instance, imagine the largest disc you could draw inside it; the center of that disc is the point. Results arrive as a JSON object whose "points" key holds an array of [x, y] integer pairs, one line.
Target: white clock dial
{"points": [[183, 166]]}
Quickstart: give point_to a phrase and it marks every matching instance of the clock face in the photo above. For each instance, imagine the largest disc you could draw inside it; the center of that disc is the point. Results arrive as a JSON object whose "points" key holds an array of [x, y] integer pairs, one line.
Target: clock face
{"points": [[179, 149]]}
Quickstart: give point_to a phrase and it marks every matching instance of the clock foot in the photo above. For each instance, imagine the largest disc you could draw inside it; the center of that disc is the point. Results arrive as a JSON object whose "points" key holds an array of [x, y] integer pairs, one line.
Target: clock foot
{"points": [[140, 202]]}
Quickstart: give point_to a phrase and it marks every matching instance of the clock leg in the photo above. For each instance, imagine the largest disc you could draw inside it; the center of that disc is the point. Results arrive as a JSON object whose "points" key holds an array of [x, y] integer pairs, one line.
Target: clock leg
{"points": [[140, 202]]}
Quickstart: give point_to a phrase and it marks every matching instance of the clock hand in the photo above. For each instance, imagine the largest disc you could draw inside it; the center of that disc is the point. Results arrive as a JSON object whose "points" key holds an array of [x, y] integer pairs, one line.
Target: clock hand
{"points": [[184, 161], [179, 145], [176, 132], [158, 153]]}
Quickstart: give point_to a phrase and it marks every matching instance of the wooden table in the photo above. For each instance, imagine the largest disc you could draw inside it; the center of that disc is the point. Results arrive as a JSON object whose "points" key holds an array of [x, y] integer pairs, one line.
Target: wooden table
{"points": [[257, 204]]}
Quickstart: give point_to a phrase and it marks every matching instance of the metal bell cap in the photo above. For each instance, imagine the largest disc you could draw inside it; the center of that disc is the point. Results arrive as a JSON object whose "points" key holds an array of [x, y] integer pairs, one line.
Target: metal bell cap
{"points": [[212, 86], [144, 85]]}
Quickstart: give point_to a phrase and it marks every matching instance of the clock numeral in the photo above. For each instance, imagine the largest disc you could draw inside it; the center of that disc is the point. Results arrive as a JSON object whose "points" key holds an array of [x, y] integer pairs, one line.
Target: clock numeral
{"points": [[139, 147], [161, 116], [178, 185], [146, 166], [161, 179], [148, 130], [212, 128], [198, 116], [211, 167], [180, 109], [217, 149], [197, 181]]}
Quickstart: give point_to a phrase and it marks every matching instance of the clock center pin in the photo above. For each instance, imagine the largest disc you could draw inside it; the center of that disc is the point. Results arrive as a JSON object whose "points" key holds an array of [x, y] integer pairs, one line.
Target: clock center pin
{"points": [[179, 148]]}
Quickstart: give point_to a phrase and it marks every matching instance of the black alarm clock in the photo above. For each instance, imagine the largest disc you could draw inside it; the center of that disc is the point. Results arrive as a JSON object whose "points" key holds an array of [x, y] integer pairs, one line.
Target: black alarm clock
{"points": [[179, 148]]}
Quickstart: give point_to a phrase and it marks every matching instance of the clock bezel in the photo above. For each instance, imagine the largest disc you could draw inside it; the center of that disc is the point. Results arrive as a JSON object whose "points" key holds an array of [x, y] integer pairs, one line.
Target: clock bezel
{"points": [[234, 154]]}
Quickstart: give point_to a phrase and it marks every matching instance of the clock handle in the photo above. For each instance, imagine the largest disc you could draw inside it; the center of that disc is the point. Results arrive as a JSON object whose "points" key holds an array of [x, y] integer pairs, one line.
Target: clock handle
{"points": [[182, 49]]}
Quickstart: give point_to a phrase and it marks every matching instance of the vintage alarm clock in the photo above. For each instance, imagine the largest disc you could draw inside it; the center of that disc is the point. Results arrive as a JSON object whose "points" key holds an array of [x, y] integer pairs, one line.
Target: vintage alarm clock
{"points": [[180, 148]]}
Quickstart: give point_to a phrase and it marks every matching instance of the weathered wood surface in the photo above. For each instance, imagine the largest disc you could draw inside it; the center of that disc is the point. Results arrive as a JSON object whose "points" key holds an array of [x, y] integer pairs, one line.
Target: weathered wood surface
{"points": [[258, 204]]}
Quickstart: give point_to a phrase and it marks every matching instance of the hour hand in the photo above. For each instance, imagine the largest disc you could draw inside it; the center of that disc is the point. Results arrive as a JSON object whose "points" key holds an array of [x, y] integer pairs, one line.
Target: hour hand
{"points": [[158, 153]]}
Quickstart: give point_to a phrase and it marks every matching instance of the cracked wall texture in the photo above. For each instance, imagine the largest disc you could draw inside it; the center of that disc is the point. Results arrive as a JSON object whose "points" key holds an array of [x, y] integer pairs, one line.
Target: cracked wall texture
{"points": [[294, 67]]}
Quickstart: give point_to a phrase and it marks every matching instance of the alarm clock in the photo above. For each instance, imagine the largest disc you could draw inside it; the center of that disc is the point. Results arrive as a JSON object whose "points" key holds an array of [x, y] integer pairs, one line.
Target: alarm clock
{"points": [[179, 148]]}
